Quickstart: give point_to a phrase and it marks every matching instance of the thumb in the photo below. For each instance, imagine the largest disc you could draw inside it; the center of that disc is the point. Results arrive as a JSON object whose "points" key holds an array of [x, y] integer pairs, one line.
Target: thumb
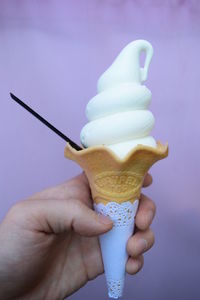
{"points": [[58, 216]]}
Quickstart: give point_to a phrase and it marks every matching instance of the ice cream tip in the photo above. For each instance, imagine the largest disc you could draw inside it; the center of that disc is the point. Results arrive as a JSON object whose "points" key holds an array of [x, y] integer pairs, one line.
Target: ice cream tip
{"points": [[118, 115]]}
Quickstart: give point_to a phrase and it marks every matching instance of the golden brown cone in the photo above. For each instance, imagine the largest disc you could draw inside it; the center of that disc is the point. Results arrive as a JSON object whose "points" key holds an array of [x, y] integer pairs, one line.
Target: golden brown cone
{"points": [[112, 178]]}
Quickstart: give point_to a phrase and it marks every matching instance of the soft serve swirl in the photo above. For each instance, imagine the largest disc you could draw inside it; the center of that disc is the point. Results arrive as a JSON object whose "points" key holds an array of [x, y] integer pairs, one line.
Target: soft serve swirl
{"points": [[118, 115]]}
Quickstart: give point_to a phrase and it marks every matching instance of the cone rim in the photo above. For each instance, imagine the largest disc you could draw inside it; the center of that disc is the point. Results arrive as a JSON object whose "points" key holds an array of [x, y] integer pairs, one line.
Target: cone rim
{"points": [[161, 150]]}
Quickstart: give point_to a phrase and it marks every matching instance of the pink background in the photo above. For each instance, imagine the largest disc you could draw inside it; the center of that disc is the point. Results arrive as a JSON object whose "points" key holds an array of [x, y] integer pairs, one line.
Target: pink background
{"points": [[51, 55]]}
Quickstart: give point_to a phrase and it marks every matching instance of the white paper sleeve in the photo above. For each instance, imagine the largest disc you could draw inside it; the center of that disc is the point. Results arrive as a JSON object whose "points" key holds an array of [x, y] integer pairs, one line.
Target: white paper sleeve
{"points": [[113, 243]]}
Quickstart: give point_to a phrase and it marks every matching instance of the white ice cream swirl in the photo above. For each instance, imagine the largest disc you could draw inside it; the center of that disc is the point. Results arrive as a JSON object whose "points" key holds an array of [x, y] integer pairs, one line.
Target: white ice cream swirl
{"points": [[118, 115]]}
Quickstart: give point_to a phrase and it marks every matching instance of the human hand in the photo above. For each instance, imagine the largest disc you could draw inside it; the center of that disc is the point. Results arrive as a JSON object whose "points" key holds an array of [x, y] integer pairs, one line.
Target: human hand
{"points": [[49, 243]]}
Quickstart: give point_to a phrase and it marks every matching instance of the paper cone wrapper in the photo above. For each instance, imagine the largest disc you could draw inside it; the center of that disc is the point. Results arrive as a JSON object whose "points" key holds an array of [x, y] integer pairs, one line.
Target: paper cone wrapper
{"points": [[113, 243], [116, 186]]}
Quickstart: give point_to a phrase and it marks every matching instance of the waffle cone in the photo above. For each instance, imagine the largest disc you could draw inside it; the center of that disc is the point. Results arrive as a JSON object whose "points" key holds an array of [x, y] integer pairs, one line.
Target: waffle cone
{"points": [[114, 179]]}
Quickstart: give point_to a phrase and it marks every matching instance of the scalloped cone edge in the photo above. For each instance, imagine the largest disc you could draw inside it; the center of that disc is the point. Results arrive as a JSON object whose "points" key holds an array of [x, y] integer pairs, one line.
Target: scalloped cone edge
{"points": [[112, 178]]}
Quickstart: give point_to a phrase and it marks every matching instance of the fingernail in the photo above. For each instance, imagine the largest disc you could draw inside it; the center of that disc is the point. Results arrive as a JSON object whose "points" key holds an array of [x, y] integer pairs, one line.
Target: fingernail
{"points": [[150, 216], [141, 245], [104, 219]]}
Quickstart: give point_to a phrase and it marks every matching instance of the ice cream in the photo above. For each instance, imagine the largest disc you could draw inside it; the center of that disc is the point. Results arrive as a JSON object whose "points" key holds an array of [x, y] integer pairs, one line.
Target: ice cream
{"points": [[118, 116], [118, 153]]}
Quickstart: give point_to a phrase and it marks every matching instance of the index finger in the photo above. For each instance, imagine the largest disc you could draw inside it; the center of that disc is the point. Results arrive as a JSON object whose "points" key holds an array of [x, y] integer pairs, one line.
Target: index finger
{"points": [[145, 214], [147, 180]]}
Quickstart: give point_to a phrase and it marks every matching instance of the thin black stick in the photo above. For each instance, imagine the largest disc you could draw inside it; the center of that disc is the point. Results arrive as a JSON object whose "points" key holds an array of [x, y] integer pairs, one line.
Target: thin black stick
{"points": [[74, 145]]}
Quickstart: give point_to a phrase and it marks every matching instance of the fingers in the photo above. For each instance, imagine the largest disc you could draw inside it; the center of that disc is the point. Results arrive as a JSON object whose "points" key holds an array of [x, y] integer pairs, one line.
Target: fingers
{"points": [[140, 243], [143, 239], [146, 213], [136, 246], [59, 216], [147, 180], [134, 265], [77, 216]]}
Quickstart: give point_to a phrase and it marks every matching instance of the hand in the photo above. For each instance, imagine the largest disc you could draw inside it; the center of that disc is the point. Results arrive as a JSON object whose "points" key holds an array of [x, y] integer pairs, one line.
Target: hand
{"points": [[49, 243]]}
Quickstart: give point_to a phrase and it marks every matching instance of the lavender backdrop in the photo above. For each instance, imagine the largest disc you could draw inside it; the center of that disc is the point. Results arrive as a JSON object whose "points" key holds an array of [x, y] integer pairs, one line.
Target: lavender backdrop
{"points": [[51, 55]]}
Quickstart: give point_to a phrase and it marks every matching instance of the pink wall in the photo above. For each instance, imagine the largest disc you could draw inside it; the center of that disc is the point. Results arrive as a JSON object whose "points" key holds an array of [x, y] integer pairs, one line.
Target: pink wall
{"points": [[51, 55]]}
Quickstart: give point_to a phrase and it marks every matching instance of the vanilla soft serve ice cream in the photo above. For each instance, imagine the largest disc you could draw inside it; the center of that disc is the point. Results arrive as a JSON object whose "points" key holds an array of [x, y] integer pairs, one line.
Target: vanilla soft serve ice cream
{"points": [[118, 115]]}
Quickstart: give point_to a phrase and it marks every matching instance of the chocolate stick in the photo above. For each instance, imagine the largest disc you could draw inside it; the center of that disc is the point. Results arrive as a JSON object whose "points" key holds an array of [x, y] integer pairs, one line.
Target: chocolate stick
{"points": [[35, 114]]}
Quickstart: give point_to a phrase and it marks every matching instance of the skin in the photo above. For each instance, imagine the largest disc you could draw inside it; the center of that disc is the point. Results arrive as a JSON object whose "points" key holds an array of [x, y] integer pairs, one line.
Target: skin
{"points": [[49, 242]]}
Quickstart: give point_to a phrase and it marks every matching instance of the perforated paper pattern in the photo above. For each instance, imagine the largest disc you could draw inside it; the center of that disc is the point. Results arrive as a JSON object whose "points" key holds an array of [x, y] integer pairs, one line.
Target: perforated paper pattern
{"points": [[115, 288], [121, 214]]}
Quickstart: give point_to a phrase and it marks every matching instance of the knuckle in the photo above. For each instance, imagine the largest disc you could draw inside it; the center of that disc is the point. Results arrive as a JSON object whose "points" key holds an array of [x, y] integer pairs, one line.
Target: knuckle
{"points": [[151, 205], [130, 246], [151, 237], [16, 208], [135, 263], [17, 211], [147, 203], [148, 179], [140, 263]]}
